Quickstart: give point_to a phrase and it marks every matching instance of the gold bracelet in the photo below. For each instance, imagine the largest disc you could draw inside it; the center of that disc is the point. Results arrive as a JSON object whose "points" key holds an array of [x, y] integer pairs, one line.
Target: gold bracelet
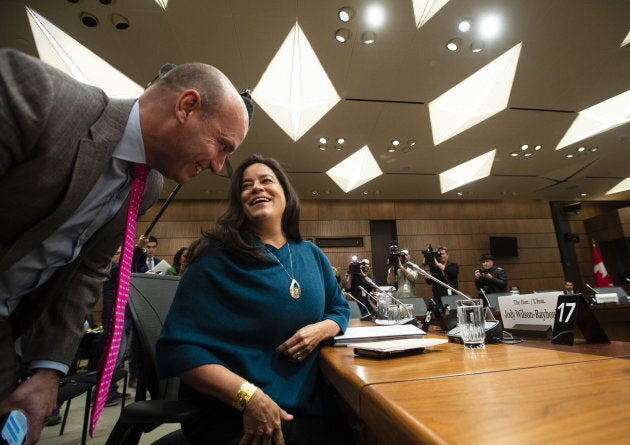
{"points": [[244, 393]]}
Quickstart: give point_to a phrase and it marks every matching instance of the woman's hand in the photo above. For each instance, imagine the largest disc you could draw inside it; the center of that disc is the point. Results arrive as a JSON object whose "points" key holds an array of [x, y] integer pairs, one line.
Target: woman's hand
{"points": [[262, 421], [306, 340]]}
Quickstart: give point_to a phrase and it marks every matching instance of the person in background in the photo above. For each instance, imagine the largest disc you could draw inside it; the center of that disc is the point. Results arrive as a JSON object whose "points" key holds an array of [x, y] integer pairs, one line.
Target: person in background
{"points": [[65, 169], [568, 288], [176, 268], [445, 271], [490, 278], [361, 278], [404, 274], [514, 289], [144, 259], [245, 327]]}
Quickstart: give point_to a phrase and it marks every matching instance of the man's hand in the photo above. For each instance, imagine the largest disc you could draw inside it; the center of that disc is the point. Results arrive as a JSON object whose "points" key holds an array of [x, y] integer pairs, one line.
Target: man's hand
{"points": [[37, 397], [142, 242]]}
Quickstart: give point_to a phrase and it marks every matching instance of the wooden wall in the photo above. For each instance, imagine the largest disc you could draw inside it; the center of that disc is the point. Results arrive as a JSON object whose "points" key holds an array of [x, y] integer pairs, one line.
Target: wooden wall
{"points": [[464, 227]]}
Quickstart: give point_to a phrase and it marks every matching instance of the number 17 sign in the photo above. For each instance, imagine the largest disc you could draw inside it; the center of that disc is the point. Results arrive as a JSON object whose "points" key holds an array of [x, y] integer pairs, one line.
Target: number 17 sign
{"points": [[572, 310]]}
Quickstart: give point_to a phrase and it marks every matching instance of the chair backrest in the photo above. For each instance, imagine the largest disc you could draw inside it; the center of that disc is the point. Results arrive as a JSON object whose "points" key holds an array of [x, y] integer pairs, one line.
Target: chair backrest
{"points": [[355, 311], [493, 299], [419, 305], [150, 298]]}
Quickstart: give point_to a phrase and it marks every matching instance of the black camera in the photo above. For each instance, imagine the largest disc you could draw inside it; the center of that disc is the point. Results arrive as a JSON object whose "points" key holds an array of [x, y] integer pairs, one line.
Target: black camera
{"points": [[430, 255], [394, 254], [355, 266]]}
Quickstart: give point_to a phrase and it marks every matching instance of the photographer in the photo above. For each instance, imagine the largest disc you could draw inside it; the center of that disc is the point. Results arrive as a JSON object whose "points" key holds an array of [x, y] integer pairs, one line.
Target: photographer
{"points": [[358, 276], [490, 278], [443, 270], [404, 273]]}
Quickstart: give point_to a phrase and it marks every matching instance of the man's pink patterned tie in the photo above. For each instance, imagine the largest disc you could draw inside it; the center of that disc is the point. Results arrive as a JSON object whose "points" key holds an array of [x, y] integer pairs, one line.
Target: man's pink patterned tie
{"points": [[107, 363]]}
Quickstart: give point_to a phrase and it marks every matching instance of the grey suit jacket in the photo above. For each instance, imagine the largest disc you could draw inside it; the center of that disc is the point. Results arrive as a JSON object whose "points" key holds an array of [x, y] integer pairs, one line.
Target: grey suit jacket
{"points": [[56, 138]]}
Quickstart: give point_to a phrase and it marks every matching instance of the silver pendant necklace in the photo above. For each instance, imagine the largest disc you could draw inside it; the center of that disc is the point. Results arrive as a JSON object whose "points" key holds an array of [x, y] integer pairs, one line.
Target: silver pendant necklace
{"points": [[294, 288]]}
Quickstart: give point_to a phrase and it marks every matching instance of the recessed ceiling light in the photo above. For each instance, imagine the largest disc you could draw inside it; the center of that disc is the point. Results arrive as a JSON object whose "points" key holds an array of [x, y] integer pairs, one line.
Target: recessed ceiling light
{"points": [[594, 149], [345, 14], [581, 149], [514, 153], [490, 26], [390, 149], [569, 155], [343, 35], [411, 142], [375, 15], [340, 140], [537, 147], [454, 44], [365, 192], [314, 192], [464, 25], [459, 193], [527, 154], [395, 142], [322, 147], [89, 20], [323, 140], [368, 37], [338, 147], [524, 147], [583, 194], [477, 46]]}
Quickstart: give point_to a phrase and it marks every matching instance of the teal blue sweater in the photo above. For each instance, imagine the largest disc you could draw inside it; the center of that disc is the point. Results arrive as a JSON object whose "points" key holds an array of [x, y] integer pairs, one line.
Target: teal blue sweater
{"points": [[235, 311]]}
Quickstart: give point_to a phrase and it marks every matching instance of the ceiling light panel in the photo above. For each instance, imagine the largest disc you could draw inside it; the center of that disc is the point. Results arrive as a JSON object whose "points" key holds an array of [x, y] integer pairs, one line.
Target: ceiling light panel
{"points": [[58, 49], [423, 10], [295, 90], [467, 172], [475, 99], [621, 187], [597, 119], [356, 170]]}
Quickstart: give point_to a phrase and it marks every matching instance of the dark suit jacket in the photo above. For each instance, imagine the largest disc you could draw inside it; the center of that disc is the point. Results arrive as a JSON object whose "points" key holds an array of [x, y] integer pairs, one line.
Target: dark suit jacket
{"points": [[56, 138]]}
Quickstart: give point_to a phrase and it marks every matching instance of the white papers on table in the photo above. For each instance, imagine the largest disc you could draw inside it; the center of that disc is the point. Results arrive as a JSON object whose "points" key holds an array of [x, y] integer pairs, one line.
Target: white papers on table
{"points": [[372, 333]]}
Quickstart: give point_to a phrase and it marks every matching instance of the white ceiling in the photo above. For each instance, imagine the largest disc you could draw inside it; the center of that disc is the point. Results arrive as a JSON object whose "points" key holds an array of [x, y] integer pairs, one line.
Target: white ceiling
{"points": [[570, 60]]}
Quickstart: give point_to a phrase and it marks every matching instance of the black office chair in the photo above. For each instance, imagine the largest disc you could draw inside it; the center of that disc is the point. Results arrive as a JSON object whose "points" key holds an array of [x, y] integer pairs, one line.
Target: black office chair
{"points": [[150, 298], [68, 390]]}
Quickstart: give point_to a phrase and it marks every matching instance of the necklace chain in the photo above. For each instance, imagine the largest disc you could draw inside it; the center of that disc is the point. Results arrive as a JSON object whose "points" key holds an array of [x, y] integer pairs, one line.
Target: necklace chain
{"points": [[294, 287]]}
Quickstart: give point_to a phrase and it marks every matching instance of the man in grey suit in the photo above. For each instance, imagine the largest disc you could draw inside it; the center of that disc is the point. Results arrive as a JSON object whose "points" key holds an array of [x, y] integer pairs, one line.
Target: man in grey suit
{"points": [[65, 151]]}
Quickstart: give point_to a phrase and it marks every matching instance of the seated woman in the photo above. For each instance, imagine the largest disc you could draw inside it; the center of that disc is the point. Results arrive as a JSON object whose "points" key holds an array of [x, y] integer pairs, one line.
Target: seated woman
{"points": [[248, 318]]}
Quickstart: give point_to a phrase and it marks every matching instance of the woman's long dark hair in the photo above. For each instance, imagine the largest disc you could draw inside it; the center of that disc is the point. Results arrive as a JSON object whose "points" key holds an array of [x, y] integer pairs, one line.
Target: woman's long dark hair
{"points": [[231, 229]]}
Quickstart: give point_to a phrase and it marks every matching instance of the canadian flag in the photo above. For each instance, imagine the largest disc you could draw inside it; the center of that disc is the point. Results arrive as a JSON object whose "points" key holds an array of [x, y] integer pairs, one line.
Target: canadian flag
{"points": [[602, 279]]}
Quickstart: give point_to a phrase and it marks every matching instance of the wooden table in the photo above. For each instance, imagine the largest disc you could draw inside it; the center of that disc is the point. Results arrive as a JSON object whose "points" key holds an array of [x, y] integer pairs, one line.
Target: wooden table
{"points": [[534, 392]]}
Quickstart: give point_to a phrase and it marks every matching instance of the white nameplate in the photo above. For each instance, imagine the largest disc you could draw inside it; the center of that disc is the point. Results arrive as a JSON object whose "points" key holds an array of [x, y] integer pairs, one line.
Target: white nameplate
{"points": [[606, 298], [537, 309]]}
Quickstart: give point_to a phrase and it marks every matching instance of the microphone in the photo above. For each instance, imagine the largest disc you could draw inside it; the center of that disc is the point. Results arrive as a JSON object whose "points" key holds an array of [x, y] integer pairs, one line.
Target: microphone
{"points": [[368, 316], [589, 286]]}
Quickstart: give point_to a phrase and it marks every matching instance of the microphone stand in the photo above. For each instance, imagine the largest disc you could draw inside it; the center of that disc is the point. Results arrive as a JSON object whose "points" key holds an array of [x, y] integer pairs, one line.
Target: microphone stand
{"points": [[427, 320], [399, 304], [164, 206], [369, 316]]}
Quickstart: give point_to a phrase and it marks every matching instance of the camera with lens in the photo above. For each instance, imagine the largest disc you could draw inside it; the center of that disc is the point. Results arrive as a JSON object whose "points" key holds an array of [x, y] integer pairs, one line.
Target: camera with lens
{"points": [[394, 254], [355, 266], [430, 255]]}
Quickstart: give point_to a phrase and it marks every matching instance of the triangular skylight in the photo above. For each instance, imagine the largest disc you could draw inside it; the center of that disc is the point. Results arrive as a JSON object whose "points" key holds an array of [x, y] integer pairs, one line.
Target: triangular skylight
{"points": [[58, 49], [467, 172], [626, 40], [425, 9], [599, 118], [355, 170], [294, 90], [475, 99], [163, 3], [621, 187]]}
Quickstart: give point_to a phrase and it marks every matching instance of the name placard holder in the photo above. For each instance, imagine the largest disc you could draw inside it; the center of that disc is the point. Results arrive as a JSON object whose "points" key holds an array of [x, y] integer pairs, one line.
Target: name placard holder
{"points": [[572, 310]]}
